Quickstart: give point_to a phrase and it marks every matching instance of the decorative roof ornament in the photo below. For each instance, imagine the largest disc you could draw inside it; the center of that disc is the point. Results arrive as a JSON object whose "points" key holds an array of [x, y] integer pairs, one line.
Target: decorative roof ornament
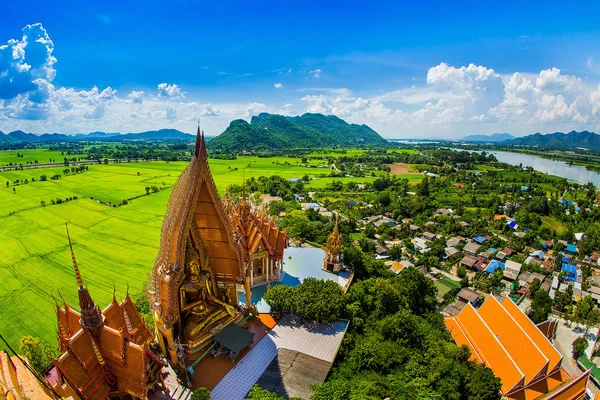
{"points": [[75, 266], [91, 317]]}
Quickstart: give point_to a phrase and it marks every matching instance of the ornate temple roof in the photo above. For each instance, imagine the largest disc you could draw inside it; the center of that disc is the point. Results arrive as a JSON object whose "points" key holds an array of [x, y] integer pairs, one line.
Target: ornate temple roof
{"points": [[99, 359], [253, 227], [194, 210]]}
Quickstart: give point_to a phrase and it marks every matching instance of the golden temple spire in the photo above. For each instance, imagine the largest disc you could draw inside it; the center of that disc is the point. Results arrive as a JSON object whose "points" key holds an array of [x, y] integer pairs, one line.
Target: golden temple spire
{"points": [[75, 266], [200, 150]]}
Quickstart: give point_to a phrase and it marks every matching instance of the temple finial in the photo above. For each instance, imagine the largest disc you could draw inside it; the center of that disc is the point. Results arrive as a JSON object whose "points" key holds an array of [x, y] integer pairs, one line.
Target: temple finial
{"points": [[63, 299], [75, 266], [198, 140], [114, 293]]}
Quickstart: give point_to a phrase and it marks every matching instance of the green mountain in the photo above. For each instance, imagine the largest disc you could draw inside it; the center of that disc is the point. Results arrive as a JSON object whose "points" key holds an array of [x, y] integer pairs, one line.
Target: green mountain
{"points": [[559, 140], [273, 131], [162, 134]]}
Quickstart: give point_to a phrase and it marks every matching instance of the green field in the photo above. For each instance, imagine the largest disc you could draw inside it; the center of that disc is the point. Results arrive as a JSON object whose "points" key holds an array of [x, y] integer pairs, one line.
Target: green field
{"points": [[552, 223], [113, 245], [41, 155]]}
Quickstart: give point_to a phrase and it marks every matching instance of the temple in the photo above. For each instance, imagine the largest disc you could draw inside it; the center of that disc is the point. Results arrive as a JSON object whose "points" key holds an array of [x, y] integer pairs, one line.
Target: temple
{"points": [[333, 250], [200, 265], [262, 242], [17, 381], [503, 338], [104, 353]]}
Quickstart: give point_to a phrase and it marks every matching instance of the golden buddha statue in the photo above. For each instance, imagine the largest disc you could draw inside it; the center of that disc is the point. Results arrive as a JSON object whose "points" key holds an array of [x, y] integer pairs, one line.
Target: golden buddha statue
{"points": [[200, 308], [192, 293]]}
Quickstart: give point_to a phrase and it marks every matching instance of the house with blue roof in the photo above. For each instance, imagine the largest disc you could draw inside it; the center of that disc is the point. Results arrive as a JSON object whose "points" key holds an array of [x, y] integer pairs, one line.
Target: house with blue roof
{"points": [[493, 266], [512, 224], [480, 239], [570, 272], [571, 248]]}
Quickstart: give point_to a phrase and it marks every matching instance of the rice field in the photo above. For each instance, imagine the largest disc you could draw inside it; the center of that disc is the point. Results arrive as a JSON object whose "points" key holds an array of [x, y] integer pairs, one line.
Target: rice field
{"points": [[40, 155], [114, 245]]}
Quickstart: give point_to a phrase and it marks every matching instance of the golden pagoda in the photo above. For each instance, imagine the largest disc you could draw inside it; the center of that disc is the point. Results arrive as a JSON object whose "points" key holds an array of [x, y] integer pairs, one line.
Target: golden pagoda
{"points": [[193, 286], [262, 242], [333, 250], [104, 353]]}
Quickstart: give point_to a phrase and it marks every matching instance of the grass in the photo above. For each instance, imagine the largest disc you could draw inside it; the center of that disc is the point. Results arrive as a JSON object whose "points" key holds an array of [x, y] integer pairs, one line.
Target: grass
{"points": [[552, 223], [41, 155], [113, 245]]}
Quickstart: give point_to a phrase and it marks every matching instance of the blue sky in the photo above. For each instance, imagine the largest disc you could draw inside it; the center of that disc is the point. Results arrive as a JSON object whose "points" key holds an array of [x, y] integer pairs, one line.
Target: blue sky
{"points": [[426, 69]]}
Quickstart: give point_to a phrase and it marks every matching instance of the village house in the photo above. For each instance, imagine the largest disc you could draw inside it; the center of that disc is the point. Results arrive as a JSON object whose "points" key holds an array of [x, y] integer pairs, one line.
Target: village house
{"points": [[454, 241], [512, 270], [471, 248], [420, 244], [429, 236]]}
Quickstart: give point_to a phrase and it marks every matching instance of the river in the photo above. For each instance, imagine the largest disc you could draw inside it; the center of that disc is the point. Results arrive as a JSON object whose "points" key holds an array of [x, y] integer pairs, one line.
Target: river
{"points": [[573, 173]]}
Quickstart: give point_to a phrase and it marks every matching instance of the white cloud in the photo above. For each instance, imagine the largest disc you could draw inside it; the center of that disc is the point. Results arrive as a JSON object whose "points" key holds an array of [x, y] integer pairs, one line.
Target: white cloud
{"points": [[170, 91], [136, 97], [278, 86], [288, 110], [171, 113], [316, 73], [208, 110], [255, 109], [27, 71]]}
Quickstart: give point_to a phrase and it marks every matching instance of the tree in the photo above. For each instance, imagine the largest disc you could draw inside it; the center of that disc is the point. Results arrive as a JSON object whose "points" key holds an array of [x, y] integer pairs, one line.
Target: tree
{"points": [[39, 354], [496, 277], [395, 252], [201, 393], [279, 298], [483, 384], [579, 346], [257, 393], [461, 271], [318, 300], [541, 307], [147, 189], [585, 311], [370, 231], [464, 282], [423, 187]]}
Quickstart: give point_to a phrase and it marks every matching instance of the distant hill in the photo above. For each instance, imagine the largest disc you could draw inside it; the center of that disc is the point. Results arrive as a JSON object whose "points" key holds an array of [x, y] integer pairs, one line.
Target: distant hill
{"points": [[559, 140], [163, 134], [493, 138], [273, 131]]}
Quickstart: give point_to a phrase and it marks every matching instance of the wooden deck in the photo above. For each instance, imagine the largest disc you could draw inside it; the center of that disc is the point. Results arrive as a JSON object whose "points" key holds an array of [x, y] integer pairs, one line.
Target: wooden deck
{"points": [[291, 374]]}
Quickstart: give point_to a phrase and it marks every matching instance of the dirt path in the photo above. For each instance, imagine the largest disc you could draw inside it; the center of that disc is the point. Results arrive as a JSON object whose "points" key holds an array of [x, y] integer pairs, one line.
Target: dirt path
{"points": [[397, 169]]}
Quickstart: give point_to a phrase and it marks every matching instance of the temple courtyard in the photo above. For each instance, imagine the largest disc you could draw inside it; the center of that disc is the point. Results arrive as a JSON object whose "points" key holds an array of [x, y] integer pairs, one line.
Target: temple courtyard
{"points": [[299, 263]]}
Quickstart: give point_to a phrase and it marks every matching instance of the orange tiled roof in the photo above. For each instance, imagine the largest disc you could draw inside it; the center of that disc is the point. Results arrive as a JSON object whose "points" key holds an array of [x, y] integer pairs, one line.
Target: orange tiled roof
{"points": [[522, 349], [506, 340], [488, 348], [534, 333]]}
